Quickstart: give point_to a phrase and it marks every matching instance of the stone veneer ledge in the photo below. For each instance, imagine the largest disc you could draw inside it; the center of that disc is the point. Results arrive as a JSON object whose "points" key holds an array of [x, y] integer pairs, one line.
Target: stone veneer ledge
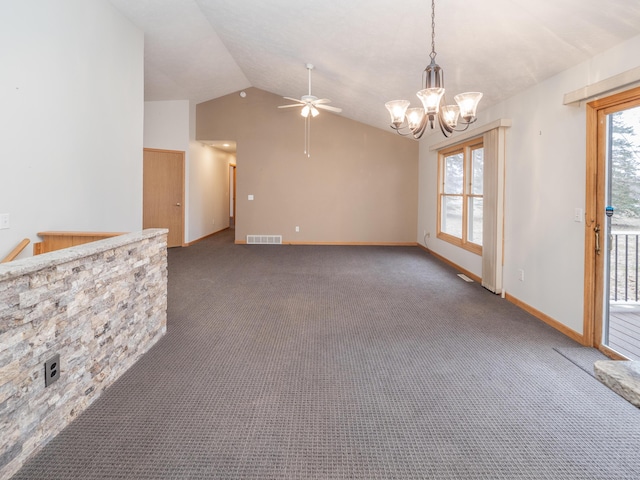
{"points": [[623, 377], [100, 305]]}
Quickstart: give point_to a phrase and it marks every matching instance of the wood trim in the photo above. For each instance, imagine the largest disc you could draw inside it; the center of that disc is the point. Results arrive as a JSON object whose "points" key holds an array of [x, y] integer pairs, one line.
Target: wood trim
{"points": [[594, 328], [16, 251], [589, 322], [468, 246], [57, 240], [193, 242], [347, 244], [161, 150], [469, 274], [184, 198], [475, 132], [611, 353], [562, 328], [80, 234], [465, 149], [234, 185], [357, 244], [527, 308]]}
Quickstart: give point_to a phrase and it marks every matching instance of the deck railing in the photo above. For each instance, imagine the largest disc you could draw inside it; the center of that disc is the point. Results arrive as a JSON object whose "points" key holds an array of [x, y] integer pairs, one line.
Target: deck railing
{"points": [[624, 266]]}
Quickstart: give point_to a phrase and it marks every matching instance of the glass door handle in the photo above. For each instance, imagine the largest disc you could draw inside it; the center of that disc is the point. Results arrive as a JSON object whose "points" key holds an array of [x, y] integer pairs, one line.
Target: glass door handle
{"points": [[597, 232]]}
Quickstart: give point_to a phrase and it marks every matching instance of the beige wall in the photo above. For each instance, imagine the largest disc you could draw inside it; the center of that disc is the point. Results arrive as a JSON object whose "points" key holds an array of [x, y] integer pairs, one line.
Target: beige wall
{"points": [[360, 184]]}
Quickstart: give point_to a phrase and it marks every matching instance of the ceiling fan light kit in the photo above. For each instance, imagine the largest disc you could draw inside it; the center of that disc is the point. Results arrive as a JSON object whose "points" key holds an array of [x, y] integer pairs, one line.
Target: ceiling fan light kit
{"points": [[434, 109], [310, 105]]}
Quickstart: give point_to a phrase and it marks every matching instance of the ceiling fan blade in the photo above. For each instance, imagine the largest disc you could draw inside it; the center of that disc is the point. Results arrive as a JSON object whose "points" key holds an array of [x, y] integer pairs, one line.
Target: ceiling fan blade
{"points": [[331, 109], [295, 100], [322, 100], [291, 106]]}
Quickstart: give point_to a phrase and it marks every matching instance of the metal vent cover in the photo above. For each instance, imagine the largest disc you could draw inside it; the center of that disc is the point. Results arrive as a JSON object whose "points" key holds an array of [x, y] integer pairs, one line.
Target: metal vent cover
{"points": [[264, 239]]}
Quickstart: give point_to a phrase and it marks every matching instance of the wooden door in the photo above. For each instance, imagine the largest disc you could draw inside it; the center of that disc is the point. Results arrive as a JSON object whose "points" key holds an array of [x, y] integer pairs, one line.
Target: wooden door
{"points": [[163, 193]]}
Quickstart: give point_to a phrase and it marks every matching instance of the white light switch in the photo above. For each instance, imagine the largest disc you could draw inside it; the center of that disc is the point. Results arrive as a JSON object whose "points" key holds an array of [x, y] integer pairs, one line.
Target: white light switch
{"points": [[4, 221], [250, 197], [577, 215]]}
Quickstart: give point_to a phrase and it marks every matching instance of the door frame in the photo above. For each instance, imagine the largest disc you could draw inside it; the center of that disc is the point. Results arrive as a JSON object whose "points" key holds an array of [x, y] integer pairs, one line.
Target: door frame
{"points": [[182, 187], [594, 263], [232, 182]]}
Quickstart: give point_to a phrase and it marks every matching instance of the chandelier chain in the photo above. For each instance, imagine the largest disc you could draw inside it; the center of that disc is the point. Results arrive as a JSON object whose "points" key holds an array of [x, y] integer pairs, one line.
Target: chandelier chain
{"points": [[450, 118], [432, 55]]}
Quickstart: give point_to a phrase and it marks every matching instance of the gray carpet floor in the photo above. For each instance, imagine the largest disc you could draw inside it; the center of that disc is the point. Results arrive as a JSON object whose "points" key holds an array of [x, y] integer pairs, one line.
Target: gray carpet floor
{"points": [[317, 362]]}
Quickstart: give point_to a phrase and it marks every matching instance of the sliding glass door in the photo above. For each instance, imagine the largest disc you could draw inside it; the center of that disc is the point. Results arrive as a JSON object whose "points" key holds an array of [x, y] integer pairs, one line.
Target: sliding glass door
{"points": [[620, 232]]}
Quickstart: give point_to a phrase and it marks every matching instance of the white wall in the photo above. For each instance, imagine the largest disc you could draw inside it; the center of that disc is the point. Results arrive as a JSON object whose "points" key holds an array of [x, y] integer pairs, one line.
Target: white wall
{"points": [[71, 97], [545, 183], [208, 186], [166, 125], [209, 190], [170, 125]]}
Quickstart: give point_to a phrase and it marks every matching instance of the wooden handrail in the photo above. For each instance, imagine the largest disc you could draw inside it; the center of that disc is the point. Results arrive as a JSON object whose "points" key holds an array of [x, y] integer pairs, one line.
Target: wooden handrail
{"points": [[16, 251], [52, 241], [65, 233]]}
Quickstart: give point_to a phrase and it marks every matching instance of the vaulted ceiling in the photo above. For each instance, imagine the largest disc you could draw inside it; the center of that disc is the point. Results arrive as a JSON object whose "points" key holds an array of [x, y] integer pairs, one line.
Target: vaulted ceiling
{"points": [[367, 52]]}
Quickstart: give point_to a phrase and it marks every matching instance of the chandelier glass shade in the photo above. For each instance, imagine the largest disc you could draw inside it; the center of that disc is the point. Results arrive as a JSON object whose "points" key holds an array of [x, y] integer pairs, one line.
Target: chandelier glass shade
{"points": [[434, 110]]}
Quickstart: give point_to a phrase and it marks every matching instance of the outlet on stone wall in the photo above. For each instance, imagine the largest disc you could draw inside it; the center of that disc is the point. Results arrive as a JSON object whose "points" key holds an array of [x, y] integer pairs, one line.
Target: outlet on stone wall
{"points": [[52, 370]]}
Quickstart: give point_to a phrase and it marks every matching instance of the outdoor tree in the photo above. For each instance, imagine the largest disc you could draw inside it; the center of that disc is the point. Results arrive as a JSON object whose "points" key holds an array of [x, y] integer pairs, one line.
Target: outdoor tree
{"points": [[625, 169]]}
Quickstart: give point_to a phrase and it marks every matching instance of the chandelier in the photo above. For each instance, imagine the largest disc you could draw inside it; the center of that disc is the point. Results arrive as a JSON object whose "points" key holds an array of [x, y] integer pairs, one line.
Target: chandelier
{"points": [[434, 109]]}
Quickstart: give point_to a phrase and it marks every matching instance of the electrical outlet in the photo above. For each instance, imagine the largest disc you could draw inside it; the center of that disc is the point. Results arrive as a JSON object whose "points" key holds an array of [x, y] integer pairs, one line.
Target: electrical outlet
{"points": [[521, 275], [52, 370], [428, 235], [297, 228]]}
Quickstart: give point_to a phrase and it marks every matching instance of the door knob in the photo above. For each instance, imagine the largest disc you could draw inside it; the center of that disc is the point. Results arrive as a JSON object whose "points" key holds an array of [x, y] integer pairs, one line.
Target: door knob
{"points": [[177, 204]]}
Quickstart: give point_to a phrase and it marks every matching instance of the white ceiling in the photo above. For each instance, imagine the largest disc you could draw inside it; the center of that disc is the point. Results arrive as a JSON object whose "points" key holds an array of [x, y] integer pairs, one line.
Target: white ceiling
{"points": [[367, 52]]}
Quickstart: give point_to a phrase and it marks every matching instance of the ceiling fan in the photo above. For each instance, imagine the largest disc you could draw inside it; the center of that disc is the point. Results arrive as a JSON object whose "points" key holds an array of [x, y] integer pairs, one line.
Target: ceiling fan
{"points": [[310, 105]]}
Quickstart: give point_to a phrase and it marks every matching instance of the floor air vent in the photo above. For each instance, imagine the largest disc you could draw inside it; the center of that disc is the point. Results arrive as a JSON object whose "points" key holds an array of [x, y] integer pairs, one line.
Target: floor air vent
{"points": [[264, 239]]}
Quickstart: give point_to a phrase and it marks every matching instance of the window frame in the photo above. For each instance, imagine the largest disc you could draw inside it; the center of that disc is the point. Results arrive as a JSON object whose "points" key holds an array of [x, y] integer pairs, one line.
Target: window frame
{"points": [[466, 149]]}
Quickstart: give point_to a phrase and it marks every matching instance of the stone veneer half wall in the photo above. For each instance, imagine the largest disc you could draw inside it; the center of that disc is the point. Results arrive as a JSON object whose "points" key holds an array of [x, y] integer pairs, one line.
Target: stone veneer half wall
{"points": [[100, 306]]}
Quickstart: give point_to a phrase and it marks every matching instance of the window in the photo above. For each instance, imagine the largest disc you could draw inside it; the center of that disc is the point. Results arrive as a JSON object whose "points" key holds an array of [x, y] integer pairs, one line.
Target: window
{"points": [[460, 195]]}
